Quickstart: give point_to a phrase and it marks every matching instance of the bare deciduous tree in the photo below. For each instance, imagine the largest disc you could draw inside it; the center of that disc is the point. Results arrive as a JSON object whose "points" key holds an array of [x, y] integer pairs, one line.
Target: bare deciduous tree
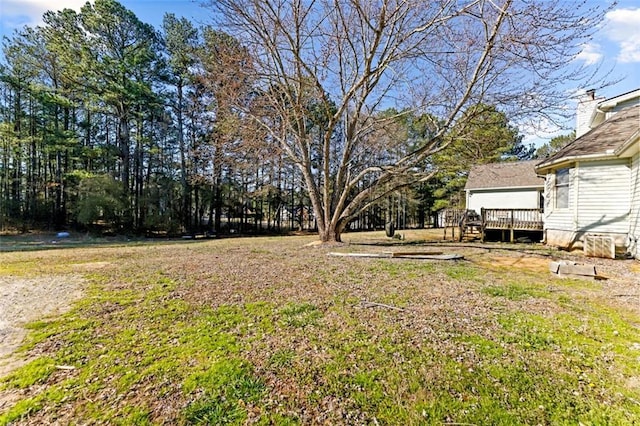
{"points": [[328, 67]]}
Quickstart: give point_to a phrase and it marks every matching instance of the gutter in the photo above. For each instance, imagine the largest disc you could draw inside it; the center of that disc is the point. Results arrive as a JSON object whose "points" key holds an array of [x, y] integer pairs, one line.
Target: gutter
{"points": [[596, 112], [609, 155], [502, 188], [628, 143]]}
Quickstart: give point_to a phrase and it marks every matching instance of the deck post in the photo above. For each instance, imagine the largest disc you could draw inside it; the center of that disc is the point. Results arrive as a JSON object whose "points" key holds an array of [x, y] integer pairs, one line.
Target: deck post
{"points": [[512, 225]]}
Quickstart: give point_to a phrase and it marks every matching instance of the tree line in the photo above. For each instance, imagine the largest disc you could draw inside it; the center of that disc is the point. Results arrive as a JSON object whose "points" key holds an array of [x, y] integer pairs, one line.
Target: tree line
{"points": [[109, 123], [282, 115]]}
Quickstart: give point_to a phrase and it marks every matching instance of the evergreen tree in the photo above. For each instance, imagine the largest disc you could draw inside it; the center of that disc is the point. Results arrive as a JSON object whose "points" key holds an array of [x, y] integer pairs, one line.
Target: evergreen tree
{"points": [[485, 136], [554, 145]]}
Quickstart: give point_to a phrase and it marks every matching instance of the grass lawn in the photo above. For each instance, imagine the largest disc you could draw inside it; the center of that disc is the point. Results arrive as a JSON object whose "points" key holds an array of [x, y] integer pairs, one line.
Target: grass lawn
{"points": [[275, 331]]}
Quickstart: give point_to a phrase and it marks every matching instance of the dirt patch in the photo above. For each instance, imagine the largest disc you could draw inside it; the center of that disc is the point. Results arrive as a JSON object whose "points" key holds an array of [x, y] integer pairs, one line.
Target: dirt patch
{"points": [[530, 263], [89, 266], [23, 300], [619, 287]]}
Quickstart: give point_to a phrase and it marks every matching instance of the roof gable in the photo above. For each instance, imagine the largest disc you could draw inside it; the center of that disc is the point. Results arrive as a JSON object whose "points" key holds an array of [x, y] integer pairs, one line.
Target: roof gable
{"points": [[603, 140], [517, 174]]}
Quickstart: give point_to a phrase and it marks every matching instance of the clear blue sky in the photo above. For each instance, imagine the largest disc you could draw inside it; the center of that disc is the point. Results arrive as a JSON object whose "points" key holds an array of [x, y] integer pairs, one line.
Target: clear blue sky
{"points": [[617, 42], [17, 13]]}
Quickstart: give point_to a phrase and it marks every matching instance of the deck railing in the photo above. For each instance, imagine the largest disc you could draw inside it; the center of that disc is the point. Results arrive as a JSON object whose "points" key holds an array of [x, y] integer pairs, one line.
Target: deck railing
{"points": [[511, 220], [468, 222], [518, 219], [454, 219]]}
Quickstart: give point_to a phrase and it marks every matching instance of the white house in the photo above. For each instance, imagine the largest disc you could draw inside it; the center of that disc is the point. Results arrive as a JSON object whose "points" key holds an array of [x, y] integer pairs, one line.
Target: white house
{"points": [[511, 185], [592, 185]]}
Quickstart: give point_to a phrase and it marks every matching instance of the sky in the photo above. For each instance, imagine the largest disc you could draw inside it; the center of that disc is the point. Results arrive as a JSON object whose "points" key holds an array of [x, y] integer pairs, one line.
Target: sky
{"points": [[616, 44]]}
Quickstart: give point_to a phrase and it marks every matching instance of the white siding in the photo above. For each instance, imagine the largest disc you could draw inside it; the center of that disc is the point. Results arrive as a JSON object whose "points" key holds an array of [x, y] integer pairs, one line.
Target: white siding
{"points": [[603, 196], [634, 217], [502, 199], [599, 202], [563, 219]]}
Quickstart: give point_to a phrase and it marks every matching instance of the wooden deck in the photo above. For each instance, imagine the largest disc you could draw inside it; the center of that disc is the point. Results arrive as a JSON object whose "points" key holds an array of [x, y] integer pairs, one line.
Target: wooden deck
{"points": [[507, 220], [511, 220]]}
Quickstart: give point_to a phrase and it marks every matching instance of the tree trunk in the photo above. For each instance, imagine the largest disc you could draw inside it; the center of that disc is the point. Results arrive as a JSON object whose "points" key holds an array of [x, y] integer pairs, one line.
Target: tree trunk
{"points": [[184, 178], [217, 222], [125, 166], [332, 233], [125, 153]]}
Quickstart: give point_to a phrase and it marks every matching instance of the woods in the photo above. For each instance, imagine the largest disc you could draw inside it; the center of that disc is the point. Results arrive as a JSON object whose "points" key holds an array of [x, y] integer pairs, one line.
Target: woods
{"points": [[278, 115]]}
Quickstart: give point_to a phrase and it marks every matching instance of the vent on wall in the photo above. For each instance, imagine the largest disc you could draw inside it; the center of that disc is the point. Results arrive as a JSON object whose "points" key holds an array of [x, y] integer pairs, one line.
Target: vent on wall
{"points": [[599, 246]]}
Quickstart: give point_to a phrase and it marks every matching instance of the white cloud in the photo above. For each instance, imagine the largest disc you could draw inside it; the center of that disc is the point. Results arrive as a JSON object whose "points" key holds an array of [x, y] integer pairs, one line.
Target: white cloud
{"points": [[590, 54], [17, 13], [623, 27]]}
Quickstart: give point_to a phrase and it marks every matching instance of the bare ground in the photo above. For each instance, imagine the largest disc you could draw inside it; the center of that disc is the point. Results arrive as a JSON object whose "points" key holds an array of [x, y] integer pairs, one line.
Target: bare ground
{"points": [[619, 279], [23, 300]]}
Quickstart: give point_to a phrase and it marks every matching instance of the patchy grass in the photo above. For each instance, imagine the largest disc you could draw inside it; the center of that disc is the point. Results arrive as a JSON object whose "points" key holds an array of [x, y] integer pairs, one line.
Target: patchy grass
{"points": [[513, 291], [271, 331], [299, 314]]}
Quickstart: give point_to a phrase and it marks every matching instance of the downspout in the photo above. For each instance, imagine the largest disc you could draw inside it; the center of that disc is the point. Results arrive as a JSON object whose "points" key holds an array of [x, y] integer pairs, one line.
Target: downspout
{"points": [[544, 207], [576, 196]]}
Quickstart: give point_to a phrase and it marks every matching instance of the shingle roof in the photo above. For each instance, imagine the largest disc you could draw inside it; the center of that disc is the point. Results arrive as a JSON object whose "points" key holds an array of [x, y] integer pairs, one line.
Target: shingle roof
{"points": [[504, 175], [604, 139]]}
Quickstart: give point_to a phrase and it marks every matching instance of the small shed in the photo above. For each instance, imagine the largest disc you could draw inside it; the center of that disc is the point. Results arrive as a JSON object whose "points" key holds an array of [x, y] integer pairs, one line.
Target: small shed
{"points": [[508, 185]]}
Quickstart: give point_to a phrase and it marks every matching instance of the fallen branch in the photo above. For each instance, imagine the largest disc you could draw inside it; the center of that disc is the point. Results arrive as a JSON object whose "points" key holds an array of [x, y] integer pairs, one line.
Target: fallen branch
{"points": [[367, 304], [413, 253], [383, 255], [459, 424], [391, 255]]}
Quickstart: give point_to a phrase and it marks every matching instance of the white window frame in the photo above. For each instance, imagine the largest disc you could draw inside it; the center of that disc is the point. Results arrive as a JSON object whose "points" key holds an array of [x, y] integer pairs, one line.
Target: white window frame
{"points": [[562, 188]]}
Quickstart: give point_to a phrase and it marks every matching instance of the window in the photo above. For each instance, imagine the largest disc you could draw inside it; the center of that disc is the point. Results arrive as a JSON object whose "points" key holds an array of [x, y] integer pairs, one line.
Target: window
{"points": [[562, 189], [541, 199]]}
